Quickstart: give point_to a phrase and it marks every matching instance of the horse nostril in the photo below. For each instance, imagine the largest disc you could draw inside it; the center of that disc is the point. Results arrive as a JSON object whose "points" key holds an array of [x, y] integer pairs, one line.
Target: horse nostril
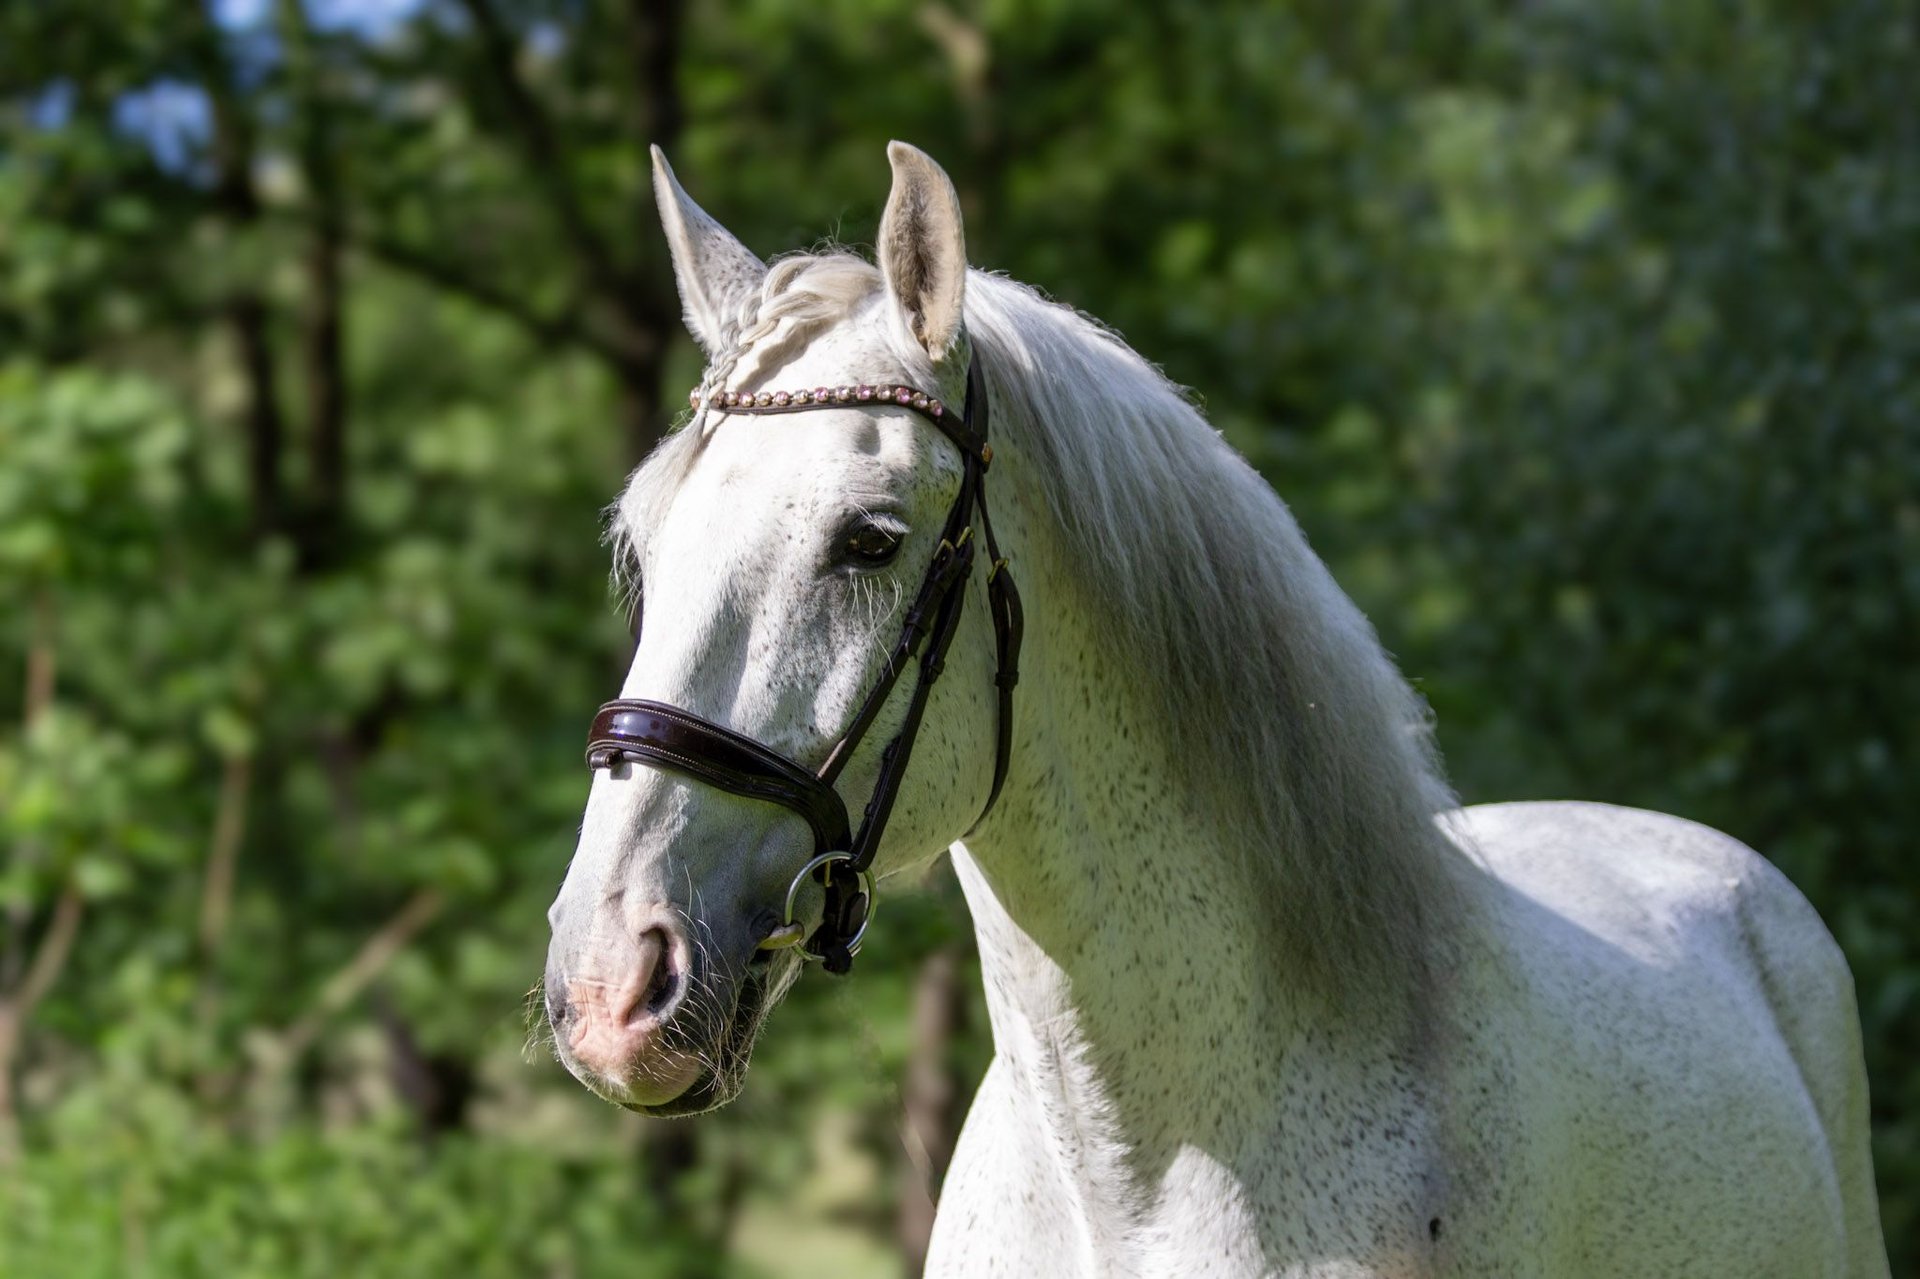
{"points": [[668, 979], [559, 1007]]}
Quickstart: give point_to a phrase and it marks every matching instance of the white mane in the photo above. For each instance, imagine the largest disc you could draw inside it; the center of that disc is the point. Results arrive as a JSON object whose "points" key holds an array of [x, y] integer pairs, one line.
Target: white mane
{"points": [[1287, 713]]}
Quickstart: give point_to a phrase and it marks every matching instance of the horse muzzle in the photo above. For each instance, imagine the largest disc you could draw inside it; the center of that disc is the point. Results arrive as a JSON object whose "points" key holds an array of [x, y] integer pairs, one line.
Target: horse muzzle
{"points": [[619, 1012]]}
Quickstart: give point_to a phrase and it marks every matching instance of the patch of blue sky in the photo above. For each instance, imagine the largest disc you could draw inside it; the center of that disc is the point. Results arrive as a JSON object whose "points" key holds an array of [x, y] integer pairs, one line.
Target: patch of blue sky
{"points": [[546, 39], [374, 19], [237, 15], [173, 118], [367, 18], [52, 106]]}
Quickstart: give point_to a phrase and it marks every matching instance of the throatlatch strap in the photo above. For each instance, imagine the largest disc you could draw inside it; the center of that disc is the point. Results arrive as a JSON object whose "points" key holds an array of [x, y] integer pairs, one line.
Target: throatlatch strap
{"points": [[1009, 629]]}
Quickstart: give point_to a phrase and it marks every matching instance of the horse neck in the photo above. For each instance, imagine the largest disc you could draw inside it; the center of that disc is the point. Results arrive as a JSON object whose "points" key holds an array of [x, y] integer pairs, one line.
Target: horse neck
{"points": [[1138, 994]]}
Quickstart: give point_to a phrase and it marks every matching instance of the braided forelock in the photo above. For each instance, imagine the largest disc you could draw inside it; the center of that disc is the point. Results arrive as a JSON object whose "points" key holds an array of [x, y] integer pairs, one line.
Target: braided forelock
{"points": [[802, 293]]}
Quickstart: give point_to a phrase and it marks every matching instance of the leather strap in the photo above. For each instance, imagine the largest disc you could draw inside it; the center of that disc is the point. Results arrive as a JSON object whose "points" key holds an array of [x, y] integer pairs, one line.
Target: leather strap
{"points": [[893, 760], [682, 742], [1009, 629]]}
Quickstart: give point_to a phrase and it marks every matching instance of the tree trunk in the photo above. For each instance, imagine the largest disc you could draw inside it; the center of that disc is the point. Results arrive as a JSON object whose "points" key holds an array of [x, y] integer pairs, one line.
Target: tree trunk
{"points": [[436, 1087], [326, 395], [653, 42], [929, 1122], [247, 316], [238, 205], [670, 1151], [324, 515], [649, 311], [641, 414]]}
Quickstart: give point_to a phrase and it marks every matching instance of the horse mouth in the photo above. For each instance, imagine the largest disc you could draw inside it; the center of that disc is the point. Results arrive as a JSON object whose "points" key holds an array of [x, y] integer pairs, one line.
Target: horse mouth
{"points": [[726, 1069]]}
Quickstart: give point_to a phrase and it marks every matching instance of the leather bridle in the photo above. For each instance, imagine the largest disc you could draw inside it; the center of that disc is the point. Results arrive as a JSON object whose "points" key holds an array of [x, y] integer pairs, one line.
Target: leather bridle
{"points": [[677, 740]]}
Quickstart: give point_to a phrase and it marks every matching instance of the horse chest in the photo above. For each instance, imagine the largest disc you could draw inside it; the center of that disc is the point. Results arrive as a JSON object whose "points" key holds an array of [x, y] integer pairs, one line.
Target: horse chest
{"points": [[1323, 1180]]}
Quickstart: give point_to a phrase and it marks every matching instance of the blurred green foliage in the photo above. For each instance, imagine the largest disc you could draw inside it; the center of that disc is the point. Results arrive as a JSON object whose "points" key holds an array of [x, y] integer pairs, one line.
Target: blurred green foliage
{"points": [[1585, 339]]}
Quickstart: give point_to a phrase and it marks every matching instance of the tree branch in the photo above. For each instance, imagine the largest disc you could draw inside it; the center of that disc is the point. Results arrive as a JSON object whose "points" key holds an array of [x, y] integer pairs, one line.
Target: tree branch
{"points": [[223, 853], [42, 658], [359, 972], [50, 957], [552, 330]]}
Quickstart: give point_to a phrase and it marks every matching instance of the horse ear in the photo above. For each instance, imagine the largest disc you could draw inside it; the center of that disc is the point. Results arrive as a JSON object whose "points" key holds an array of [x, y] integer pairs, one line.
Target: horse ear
{"points": [[923, 250], [716, 273]]}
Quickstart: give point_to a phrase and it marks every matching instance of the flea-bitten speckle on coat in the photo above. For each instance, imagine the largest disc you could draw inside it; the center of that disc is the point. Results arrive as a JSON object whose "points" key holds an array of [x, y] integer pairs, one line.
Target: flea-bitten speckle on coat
{"points": [[1263, 1001]]}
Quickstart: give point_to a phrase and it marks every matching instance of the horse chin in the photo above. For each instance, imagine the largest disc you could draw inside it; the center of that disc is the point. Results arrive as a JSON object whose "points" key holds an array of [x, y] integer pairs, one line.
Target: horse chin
{"points": [[720, 1080], [697, 1100]]}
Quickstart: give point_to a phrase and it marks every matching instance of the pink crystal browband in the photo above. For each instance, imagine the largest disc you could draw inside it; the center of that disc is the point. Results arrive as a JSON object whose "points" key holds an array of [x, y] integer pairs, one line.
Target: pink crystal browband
{"points": [[906, 397]]}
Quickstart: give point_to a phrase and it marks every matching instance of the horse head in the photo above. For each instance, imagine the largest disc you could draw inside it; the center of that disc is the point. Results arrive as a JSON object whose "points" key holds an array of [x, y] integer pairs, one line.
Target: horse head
{"points": [[786, 568]]}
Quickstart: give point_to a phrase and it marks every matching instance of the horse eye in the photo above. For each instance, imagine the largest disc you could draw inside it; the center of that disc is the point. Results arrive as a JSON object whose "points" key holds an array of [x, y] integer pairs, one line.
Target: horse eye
{"points": [[871, 543]]}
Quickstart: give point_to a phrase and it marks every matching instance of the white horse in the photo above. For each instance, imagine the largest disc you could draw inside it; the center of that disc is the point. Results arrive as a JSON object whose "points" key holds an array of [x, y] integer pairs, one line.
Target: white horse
{"points": [[1263, 1001]]}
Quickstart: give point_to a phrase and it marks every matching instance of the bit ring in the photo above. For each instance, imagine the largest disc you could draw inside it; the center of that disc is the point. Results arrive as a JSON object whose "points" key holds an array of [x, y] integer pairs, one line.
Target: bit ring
{"points": [[790, 933]]}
